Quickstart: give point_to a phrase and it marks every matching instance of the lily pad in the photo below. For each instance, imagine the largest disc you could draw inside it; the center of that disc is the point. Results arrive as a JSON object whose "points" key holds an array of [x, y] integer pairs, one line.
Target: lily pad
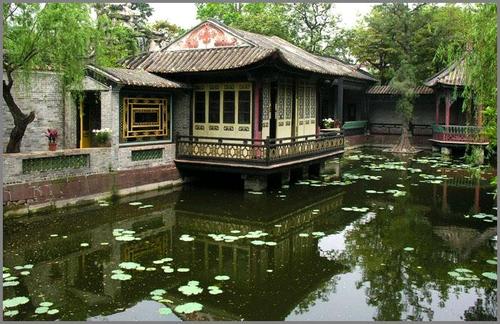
{"points": [[304, 235], [182, 269], [491, 262], [189, 308], [408, 248], [11, 313], [121, 276], [490, 275], [258, 242], [10, 283], [454, 274], [221, 277], [16, 301], [215, 291], [53, 311], [271, 243], [186, 238], [462, 270], [24, 273], [165, 311], [41, 310], [46, 304], [318, 233], [189, 290], [135, 203], [84, 244], [158, 292], [129, 265]]}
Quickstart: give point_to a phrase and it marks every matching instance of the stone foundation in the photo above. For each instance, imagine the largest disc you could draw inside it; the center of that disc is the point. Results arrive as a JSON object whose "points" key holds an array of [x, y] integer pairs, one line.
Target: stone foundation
{"points": [[32, 196]]}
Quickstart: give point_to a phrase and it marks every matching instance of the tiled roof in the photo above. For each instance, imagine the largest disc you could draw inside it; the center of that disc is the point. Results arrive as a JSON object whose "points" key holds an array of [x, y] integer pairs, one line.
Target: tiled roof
{"points": [[225, 58], [453, 75], [198, 60], [136, 77], [388, 90]]}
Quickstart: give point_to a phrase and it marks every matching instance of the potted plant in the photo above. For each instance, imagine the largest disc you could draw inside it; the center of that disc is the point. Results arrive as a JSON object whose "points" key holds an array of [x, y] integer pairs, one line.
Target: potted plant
{"points": [[102, 137], [328, 123], [51, 134]]}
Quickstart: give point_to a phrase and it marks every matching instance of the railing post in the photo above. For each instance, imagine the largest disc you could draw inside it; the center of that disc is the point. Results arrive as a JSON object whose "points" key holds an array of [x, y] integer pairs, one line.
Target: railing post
{"points": [[267, 147]]}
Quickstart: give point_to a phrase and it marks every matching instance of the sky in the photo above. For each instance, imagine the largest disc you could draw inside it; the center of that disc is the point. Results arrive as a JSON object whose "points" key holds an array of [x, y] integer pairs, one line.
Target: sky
{"points": [[184, 14]]}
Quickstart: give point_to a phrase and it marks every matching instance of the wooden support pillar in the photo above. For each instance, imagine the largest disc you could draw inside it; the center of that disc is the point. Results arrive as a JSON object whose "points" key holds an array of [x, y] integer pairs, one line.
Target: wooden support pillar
{"points": [[340, 101], [479, 117], [437, 108], [447, 108], [257, 132]]}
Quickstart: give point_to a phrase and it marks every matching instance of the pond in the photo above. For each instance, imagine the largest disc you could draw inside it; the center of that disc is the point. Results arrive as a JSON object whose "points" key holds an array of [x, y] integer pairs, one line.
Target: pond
{"points": [[377, 237]]}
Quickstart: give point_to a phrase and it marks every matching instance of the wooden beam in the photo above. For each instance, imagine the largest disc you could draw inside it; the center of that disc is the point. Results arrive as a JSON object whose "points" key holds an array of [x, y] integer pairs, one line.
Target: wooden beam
{"points": [[447, 108], [340, 101]]}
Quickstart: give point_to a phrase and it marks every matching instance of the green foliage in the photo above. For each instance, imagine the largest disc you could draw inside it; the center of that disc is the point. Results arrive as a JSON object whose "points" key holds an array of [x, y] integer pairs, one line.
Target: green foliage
{"points": [[404, 82], [393, 32], [311, 26], [54, 36]]}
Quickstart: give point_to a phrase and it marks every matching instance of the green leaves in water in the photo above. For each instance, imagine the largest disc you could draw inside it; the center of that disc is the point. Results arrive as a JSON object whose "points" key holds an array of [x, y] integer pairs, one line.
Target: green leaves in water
{"points": [[46, 304], [11, 313], [408, 249], [488, 218], [318, 234], [490, 275], [124, 235], [191, 288], [356, 209], [129, 265], [491, 262], [463, 274], [182, 269], [14, 302], [41, 310], [258, 242], [165, 311], [214, 290], [188, 308], [135, 203], [221, 277], [186, 238], [121, 276]]}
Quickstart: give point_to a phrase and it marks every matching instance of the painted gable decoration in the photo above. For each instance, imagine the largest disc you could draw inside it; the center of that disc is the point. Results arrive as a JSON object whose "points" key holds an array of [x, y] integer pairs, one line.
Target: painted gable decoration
{"points": [[205, 36]]}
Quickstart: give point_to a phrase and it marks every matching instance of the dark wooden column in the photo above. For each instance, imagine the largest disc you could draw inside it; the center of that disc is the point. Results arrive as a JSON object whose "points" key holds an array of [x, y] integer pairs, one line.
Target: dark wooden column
{"points": [[257, 132], [340, 101], [447, 108], [437, 108]]}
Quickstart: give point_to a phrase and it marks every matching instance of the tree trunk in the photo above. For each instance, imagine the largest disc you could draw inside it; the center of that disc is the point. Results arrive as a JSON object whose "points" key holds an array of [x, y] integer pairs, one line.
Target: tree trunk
{"points": [[404, 145], [21, 120]]}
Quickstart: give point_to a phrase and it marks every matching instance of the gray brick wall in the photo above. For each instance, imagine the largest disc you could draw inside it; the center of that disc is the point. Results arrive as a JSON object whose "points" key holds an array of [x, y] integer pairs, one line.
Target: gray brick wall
{"points": [[125, 156], [181, 109], [44, 95], [382, 109]]}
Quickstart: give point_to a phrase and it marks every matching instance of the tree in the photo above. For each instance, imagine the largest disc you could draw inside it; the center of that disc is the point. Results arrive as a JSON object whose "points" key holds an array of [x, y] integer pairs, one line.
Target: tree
{"points": [[161, 33], [41, 37], [394, 32], [404, 82]]}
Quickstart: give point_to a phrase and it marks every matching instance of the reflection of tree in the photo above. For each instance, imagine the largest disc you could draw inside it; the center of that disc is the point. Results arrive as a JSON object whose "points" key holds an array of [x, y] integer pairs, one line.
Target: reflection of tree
{"points": [[322, 293], [397, 281], [480, 312]]}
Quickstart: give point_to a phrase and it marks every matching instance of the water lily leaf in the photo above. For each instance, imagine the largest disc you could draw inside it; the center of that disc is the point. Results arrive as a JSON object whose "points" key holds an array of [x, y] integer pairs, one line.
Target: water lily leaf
{"points": [[157, 298], [158, 292], [10, 283], [53, 311], [24, 273], [46, 304], [462, 270], [117, 271], [271, 243], [16, 301], [255, 192], [54, 235], [146, 206], [11, 313], [186, 238], [212, 287], [491, 261], [193, 283], [121, 276], [258, 242], [221, 277], [408, 248], [189, 308], [182, 269], [454, 274], [11, 278], [135, 203], [129, 265], [490, 275], [165, 311], [150, 269], [6, 275], [189, 290], [125, 238], [41, 310], [304, 235], [84, 244], [235, 231], [215, 291], [269, 270], [318, 233]]}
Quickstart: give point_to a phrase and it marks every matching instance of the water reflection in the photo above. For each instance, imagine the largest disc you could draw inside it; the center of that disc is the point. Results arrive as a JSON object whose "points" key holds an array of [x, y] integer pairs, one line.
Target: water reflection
{"points": [[359, 268]]}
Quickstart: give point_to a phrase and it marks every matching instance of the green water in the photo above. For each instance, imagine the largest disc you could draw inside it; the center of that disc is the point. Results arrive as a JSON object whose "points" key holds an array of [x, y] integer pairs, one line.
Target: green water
{"points": [[320, 250]]}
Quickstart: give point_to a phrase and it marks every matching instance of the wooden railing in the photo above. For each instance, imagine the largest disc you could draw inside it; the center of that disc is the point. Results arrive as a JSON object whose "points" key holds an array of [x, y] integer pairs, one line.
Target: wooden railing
{"points": [[456, 133], [395, 129], [256, 151]]}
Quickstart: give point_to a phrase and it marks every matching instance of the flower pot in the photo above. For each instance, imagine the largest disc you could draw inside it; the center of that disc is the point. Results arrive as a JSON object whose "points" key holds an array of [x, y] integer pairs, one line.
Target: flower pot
{"points": [[52, 146]]}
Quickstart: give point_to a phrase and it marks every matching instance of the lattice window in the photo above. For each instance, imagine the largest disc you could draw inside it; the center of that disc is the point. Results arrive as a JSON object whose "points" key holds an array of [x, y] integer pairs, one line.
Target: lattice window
{"points": [[55, 163], [151, 154], [266, 101], [145, 117]]}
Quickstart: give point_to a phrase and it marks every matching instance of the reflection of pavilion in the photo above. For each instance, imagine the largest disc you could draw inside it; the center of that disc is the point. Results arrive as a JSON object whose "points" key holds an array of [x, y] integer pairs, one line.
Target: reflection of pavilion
{"points": [[78, 278], [462, 239]]}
